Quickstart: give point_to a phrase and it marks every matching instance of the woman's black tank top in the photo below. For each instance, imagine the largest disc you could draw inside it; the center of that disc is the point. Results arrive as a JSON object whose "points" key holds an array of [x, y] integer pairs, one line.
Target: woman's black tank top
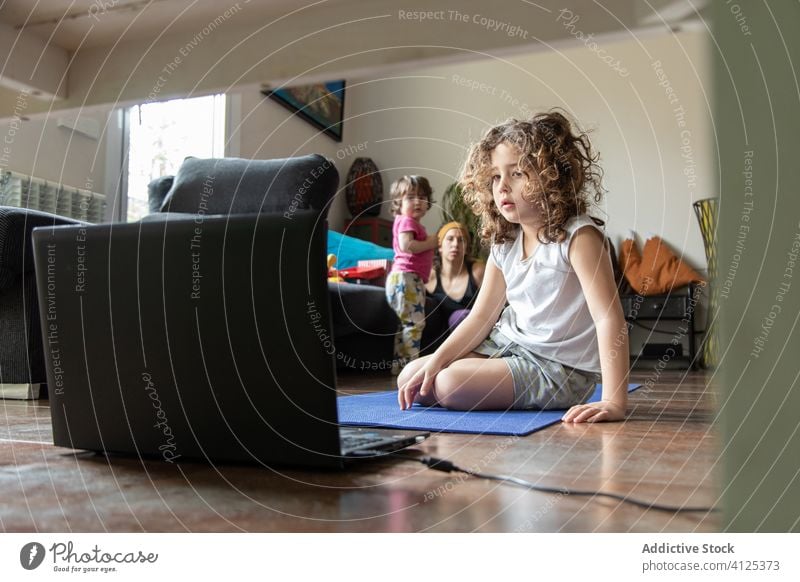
{"points": [[448, 302]]}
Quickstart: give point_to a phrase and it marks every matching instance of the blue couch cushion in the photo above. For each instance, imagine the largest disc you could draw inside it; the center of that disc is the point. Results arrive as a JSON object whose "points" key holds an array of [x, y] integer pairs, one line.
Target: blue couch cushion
{"points": [[350, 250]]}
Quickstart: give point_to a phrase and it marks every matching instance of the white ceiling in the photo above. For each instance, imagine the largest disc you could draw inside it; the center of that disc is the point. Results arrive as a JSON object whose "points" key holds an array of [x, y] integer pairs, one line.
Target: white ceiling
{"points": [[70, 24], [92, 23], [69, 53]]}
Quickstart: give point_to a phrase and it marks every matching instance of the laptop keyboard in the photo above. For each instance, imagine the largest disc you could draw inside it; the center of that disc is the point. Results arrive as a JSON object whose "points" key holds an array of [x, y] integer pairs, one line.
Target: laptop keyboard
{"points": [[353, 439]]}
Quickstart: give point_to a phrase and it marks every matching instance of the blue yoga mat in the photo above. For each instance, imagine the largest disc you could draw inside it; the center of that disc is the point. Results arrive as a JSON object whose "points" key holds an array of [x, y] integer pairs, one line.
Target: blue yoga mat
{"points": [[381, 409]]}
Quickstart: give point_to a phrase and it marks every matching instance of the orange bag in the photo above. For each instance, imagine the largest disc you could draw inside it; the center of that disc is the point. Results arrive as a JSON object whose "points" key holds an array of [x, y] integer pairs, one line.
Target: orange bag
{"points": [[657, 270]]}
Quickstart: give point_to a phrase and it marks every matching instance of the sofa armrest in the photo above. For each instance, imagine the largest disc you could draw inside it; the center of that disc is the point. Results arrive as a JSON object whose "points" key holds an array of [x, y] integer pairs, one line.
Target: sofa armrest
{"points": [[16, 251], [360, 309]]}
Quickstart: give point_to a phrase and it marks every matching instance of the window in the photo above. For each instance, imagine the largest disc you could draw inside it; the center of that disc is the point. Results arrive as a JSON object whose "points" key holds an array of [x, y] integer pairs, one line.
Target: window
{"points": [[163, 134]]}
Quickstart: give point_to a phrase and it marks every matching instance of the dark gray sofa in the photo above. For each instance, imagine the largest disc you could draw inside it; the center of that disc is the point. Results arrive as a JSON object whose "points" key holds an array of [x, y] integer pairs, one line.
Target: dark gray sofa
{"points": [[21, 351], [363, 323]]}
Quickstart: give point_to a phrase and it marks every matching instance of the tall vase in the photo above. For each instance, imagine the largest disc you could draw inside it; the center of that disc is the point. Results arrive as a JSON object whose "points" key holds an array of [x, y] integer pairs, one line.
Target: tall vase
{"points": [[706, 212]]}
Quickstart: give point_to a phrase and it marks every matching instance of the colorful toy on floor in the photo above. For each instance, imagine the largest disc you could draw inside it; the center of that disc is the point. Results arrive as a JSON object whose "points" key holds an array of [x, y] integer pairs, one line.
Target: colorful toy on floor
{"points": [[333, 272]]}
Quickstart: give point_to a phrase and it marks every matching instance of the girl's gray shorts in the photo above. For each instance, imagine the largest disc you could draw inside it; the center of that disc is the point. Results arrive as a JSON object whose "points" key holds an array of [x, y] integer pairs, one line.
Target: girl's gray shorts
{"points": [[539, 383]]}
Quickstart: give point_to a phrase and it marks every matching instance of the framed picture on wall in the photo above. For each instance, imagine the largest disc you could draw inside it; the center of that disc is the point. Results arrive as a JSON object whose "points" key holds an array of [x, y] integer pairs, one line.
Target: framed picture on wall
{"points": [[321, 104]]}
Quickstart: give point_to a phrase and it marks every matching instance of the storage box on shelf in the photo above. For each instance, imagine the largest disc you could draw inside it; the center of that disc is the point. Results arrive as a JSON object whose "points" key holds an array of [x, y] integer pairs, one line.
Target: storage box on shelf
{"points": [[678, 306]]}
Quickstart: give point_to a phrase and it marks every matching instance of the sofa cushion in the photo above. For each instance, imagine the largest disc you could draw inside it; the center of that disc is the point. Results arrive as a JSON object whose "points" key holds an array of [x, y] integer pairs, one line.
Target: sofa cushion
{"points": [[350, 250], [239, 186], [157, 191]]}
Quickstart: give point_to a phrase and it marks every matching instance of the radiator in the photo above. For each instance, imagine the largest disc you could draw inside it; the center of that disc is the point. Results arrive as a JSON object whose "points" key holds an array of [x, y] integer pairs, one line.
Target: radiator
{"points": [[37, 194]]}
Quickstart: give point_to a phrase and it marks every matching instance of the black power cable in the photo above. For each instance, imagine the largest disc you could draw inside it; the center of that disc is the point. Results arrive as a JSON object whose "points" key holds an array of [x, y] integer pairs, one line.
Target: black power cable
{"points": [[448, 467]]}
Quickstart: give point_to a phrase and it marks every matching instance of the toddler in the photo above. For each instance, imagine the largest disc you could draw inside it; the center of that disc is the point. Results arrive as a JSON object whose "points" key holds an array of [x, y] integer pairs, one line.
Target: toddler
{"points": [[413, 258]]}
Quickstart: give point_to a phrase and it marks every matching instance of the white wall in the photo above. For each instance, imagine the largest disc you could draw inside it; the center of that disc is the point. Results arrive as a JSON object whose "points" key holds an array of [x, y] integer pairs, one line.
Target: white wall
{"points": [[38, 147], [268, 130], [422, 122]]}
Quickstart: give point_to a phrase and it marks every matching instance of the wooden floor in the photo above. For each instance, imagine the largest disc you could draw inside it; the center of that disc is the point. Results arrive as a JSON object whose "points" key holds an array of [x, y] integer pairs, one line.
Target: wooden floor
{"points": [[667, 451]]}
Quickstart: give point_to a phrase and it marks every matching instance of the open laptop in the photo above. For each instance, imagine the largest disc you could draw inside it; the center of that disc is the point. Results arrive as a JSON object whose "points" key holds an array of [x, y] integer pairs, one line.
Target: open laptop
{"points": [[196, 337]]}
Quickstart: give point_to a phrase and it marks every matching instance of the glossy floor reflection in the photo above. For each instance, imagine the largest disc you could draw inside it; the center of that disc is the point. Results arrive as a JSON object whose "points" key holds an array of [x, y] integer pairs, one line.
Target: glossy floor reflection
{"points": [[666, 451]]}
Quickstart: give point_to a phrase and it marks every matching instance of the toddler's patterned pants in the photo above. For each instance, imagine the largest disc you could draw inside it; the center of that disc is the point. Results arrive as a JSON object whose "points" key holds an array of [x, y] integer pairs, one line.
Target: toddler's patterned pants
{"points": [[405, 293]]}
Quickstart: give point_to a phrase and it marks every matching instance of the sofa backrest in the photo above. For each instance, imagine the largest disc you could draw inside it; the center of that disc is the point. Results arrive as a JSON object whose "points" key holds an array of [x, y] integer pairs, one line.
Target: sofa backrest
{"points": [[239, 186]]}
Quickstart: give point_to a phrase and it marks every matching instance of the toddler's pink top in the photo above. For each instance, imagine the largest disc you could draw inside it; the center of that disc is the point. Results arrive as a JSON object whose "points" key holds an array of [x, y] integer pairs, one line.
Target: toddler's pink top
{"points": [[419, 263]]}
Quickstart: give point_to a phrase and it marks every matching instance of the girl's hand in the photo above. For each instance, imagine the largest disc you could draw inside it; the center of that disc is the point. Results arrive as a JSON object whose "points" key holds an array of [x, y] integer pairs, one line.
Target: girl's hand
{"points": [[603, 411], [420, 383]]}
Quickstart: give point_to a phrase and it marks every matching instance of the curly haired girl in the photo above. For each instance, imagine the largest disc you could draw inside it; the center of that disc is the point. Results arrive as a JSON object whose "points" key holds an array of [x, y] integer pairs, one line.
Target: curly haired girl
{"points": [[547, 323]]}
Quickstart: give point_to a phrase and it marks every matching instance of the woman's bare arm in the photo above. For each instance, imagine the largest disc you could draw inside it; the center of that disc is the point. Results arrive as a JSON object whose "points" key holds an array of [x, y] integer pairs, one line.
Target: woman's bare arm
{"points": [[478, 271]]}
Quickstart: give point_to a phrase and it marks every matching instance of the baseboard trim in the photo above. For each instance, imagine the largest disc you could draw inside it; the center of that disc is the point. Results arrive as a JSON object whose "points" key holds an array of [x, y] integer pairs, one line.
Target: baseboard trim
{"points": [[20, 391]]}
